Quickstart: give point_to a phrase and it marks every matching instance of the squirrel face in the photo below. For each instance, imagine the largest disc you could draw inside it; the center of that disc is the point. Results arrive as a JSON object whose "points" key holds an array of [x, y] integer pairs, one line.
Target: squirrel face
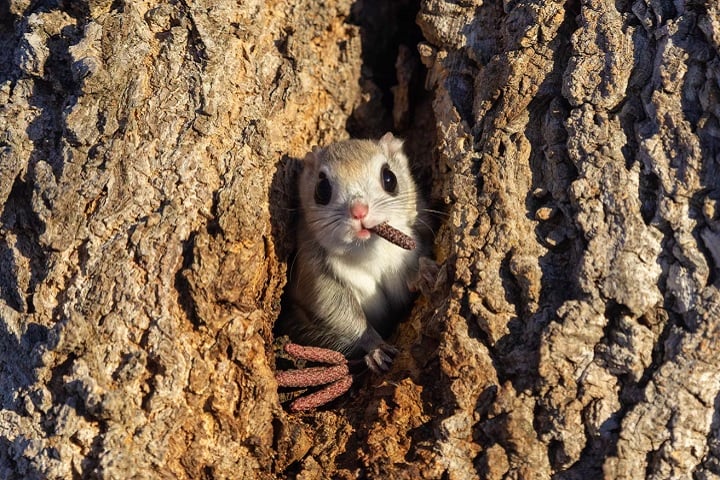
{"points": [[350, 187]]}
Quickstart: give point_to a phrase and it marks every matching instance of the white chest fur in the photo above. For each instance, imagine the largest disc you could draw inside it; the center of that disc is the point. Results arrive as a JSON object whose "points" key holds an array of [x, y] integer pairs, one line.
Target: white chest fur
{"points": [[377, 274]]}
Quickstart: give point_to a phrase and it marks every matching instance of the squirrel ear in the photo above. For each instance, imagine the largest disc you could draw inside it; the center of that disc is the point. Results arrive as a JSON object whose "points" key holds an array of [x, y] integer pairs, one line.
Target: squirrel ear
{"points": [[312, 156], [390, 144]]}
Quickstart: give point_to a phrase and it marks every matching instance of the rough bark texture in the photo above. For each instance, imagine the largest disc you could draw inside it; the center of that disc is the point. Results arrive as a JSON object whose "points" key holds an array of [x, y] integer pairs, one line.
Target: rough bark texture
{"points": [[146, 225]]}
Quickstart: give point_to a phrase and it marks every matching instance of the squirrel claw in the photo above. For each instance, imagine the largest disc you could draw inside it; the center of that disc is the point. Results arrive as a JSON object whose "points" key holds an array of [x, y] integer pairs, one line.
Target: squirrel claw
{"points": [[380, 358]]}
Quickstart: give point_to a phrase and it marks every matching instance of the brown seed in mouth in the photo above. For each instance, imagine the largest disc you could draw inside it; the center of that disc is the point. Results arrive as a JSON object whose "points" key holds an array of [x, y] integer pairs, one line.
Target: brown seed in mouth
{"points": [[393, 235]]}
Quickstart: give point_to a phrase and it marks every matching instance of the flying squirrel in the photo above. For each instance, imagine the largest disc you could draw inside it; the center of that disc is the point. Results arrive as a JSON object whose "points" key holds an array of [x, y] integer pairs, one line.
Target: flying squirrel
{"points": [[349, 286]]}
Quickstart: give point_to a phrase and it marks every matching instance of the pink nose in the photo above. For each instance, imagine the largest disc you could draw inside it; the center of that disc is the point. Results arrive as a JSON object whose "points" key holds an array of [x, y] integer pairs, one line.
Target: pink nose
{"points": [[358, 210]]}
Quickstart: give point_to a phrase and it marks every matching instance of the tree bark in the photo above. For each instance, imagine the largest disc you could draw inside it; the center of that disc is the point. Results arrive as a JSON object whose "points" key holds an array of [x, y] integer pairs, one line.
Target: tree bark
{"points": [[147, 169]]}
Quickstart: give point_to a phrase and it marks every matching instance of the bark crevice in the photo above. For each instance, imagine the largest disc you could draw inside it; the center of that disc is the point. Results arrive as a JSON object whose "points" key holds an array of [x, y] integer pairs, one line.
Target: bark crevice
{"points": [[147, 171]]}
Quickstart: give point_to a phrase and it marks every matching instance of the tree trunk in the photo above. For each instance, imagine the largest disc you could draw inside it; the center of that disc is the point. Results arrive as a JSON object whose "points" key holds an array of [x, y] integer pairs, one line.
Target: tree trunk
{"points": [[147, 172]]}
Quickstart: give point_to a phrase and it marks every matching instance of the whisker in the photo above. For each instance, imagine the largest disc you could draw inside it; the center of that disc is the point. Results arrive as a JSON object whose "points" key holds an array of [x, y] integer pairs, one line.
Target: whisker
{"points": [[292, 264], [439, 213], [432, 232]]}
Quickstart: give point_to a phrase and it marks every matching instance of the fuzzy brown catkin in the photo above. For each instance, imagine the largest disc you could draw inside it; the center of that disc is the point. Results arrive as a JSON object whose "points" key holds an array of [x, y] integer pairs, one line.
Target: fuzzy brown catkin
{"points": [[315, 354], [311, 377], [321, 397]]}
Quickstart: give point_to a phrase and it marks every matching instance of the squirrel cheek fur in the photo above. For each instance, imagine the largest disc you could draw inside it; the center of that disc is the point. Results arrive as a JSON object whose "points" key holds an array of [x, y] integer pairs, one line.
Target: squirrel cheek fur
{"points": [[348, 287]]}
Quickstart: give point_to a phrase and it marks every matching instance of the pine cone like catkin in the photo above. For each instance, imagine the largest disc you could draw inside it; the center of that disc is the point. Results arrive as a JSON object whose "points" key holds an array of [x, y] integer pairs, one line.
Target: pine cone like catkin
{"points": [[315, 354], [393, 235], [321, 397], [311, 377]]}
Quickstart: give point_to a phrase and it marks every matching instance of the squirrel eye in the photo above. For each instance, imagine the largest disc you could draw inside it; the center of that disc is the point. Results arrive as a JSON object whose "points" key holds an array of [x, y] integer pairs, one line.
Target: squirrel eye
{"points": [[389, 181], [323, 190]]}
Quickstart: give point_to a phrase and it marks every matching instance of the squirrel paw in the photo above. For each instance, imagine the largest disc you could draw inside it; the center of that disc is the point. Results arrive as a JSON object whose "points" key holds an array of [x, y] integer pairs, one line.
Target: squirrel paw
{"points": [[380, 358], [428, 277]]}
